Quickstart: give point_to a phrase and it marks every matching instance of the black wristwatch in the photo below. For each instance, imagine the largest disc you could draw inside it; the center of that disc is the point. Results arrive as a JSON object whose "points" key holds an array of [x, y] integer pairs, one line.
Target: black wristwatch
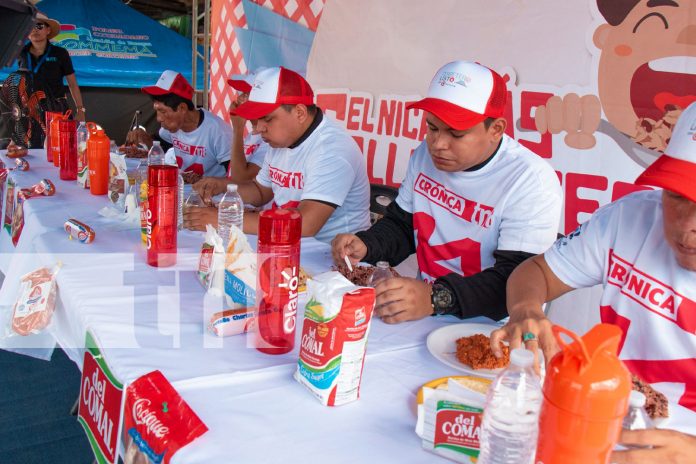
{"points": [[442, 299]]}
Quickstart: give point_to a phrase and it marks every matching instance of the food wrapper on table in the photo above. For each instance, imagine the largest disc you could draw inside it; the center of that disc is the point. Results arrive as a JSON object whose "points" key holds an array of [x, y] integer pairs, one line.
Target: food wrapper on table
{"points": [[240, 271], [35, 303], [43, 188], [4, 174], [157, 421], [334, 338], [211, 263], [232, 322], [82, 166], [450, 413], [118, 181], [10, 204]]}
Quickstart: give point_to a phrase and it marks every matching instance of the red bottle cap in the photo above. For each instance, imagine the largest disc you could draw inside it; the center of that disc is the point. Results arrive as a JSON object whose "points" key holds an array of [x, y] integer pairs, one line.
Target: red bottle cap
{"points": [[280, 226]]}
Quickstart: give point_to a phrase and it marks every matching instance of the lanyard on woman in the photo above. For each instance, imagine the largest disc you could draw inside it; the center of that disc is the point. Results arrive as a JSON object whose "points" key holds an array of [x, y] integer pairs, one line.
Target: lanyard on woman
{"points": [[41, 61]]}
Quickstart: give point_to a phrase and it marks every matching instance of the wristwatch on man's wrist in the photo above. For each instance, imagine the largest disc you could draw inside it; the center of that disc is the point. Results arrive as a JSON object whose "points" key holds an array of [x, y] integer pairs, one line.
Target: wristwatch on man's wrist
{"points": [[442, 299]]}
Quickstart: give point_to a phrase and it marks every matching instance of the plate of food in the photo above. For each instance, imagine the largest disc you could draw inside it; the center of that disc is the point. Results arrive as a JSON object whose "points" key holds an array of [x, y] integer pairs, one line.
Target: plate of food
{"points": [[466, 347]]}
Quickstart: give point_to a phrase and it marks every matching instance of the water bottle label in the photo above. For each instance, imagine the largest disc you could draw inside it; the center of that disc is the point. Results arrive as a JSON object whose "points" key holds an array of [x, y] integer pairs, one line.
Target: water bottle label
{"points": [[458, 428], [240, 292]]}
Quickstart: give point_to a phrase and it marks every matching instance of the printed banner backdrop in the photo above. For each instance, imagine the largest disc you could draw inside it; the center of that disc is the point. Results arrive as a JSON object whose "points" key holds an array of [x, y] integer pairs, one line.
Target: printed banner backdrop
{"points": [[619, 72], [113, 45]]}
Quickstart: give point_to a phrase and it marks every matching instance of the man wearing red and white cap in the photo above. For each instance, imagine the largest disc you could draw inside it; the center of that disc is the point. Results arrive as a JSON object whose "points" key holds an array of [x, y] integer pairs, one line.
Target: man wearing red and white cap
{"points": [[473, 205], [201, 140], [642, 250], [247, 154], [312, 163]]}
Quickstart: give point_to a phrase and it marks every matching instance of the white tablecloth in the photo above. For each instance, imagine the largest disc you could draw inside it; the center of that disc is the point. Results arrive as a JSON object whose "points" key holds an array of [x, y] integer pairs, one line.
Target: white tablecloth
{"points": [[146, 318]]}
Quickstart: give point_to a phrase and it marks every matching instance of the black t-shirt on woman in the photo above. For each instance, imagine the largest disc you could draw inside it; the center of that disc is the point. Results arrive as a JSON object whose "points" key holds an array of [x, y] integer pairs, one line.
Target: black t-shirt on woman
{"points": [[48, 69]]}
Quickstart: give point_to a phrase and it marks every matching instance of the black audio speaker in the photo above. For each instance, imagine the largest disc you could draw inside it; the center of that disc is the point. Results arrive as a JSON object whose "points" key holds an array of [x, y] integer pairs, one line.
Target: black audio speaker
{"points": [[17, 17]]}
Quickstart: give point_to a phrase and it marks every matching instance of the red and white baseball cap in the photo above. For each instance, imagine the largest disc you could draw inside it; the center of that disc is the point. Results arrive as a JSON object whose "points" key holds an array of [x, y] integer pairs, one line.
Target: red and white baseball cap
{"points": [[243, 82], [675, 170], [274, 87], [463, 94], [171, 82]]}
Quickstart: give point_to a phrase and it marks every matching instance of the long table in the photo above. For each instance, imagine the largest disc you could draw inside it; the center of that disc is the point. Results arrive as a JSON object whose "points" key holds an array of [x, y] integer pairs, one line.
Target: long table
{"points": [[145, 318]]}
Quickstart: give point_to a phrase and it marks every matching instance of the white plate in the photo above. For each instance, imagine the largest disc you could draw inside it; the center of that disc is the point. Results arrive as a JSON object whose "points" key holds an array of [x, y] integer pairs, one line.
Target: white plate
{"points": [[442, 343]]}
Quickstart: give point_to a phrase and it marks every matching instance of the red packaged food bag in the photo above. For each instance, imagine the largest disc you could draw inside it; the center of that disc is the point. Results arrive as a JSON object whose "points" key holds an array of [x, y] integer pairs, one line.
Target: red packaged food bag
{"points": [[36, 301], [157, 421]]}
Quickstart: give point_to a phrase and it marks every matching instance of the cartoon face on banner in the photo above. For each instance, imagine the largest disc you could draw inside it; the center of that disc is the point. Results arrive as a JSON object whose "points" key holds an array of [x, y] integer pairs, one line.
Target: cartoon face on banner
{"points": [[647, 49], [645, 53]]}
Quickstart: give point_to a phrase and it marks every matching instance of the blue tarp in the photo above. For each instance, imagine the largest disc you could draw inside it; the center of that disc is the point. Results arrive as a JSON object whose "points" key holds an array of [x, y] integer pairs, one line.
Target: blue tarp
{"points": [[113, 45]]}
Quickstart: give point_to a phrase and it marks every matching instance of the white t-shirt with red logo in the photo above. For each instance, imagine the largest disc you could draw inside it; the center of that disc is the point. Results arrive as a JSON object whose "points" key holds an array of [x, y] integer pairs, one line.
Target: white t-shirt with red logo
{"points": [[646, 293], [255, 150], [460, 218], [204, 148], [327, 166]]}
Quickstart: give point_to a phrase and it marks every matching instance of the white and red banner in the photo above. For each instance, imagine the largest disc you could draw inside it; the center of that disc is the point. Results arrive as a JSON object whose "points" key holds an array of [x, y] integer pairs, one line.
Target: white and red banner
{"points": [[595, 86]]}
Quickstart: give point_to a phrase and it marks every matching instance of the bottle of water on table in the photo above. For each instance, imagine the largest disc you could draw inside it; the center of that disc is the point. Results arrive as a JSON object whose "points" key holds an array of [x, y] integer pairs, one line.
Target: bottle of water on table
{"points": [[511, 415], [230, 213]]}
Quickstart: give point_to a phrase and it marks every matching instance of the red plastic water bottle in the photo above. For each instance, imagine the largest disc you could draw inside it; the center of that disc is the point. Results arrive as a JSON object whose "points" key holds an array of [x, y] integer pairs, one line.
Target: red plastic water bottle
{"points": [[98, 160], [279, 236], [162, 214], [50, 116], [68, 149]]}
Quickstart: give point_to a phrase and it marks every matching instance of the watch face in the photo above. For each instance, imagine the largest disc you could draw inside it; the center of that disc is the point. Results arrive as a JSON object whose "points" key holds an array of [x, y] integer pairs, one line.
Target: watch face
{"points": [[442, 298]]}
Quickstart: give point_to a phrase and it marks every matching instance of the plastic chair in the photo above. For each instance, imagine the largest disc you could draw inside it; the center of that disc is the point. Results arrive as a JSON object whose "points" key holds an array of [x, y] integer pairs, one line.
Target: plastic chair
{"points": [[380, 197]]}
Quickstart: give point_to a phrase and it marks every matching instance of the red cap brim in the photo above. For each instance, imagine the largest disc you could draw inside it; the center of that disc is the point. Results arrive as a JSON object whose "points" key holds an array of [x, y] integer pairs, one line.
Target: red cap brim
{"points": [[254, 110], [154, 90], [671, 174], [239, 85], [454, 116]]}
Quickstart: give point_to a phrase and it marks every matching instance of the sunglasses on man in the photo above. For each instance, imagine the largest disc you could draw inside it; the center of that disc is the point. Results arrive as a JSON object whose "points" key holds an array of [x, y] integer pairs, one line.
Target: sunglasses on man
{"points": [[39, 26]]}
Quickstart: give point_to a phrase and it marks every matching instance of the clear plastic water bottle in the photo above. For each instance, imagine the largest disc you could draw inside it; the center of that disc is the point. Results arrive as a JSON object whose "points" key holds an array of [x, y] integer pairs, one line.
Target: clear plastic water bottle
{"points": [[637, 418], [156, 154], [511, 415], [180, 218], [381, 272], [230, 212]]}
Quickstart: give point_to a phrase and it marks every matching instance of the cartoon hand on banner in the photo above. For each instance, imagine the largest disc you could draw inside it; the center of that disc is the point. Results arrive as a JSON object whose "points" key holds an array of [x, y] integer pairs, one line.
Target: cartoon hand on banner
{"points": [[578, 116]]}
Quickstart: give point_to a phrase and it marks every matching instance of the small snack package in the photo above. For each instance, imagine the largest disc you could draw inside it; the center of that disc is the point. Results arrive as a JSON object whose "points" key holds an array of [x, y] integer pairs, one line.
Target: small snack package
{"points": [[118, 181], [450, 411], [240, 271], [4, 174], [79, 231], [157, 422], [232, 322], [211, 264], [10, 203], [44, 188], [334, 338], [35, 303]]}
